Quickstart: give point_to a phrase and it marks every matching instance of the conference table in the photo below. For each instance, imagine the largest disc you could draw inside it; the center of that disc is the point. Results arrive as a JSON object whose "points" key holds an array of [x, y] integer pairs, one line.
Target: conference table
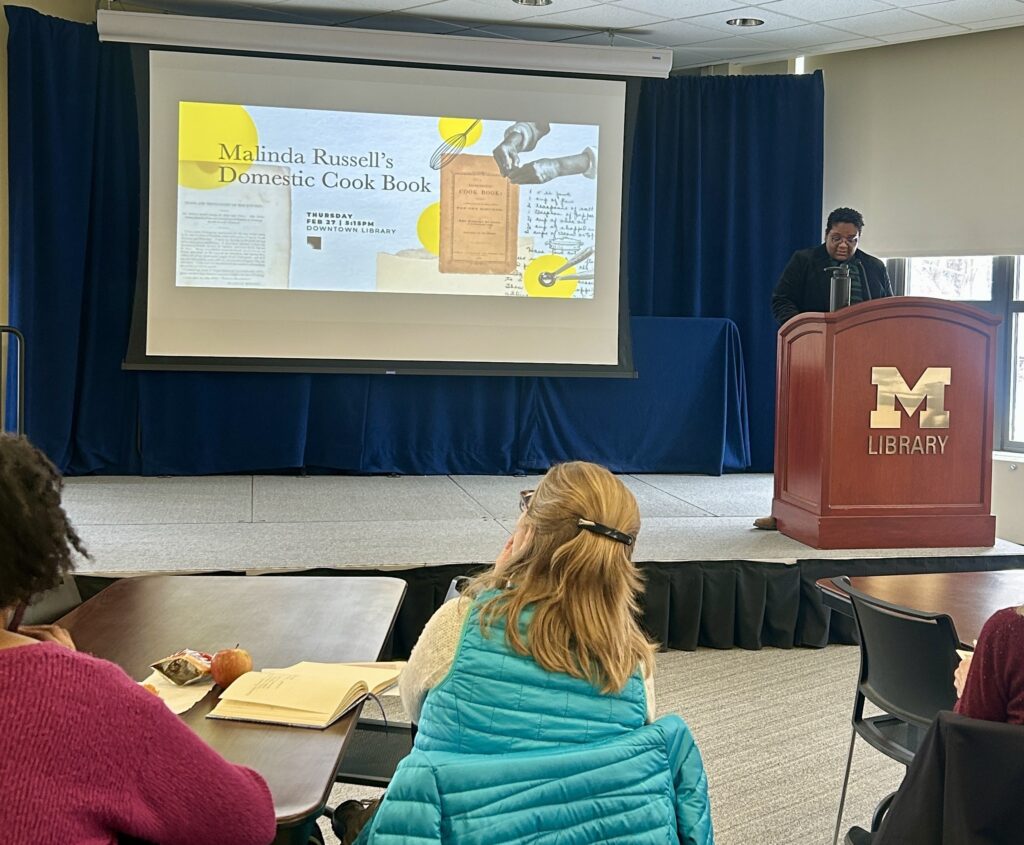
{"points": [[968, 598], [280, 620]]}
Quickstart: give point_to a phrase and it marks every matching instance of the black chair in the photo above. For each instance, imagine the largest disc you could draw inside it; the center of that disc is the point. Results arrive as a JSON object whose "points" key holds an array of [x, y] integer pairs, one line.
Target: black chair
{"points": [[374, 752], [907, 660]]}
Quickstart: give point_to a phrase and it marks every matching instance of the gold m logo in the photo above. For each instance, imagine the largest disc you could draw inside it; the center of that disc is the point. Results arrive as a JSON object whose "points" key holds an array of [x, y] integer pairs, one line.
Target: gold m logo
{"points": [[930, 389]]}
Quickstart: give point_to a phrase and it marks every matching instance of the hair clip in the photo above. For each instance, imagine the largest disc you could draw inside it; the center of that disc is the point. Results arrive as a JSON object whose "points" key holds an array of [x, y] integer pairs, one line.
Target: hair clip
{"points": [[605, 531]]}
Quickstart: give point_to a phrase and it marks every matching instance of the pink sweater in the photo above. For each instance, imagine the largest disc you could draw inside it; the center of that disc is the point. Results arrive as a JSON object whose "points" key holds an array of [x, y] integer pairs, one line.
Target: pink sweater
{"points": [[995, 682], [87, 755]]}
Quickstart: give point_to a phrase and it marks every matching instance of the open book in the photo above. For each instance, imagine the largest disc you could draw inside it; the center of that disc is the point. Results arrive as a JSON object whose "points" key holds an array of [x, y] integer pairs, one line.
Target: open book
{"points": [[306, 695]]}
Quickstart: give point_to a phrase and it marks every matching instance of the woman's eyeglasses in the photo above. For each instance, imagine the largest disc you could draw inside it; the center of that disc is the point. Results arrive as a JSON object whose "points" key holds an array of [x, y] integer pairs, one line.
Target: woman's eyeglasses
{"points": [[524, 499], [835, 240]]}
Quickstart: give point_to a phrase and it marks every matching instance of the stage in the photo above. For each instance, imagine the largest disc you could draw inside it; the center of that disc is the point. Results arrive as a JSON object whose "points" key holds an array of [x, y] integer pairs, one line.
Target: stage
{"points": [[712, 579]]}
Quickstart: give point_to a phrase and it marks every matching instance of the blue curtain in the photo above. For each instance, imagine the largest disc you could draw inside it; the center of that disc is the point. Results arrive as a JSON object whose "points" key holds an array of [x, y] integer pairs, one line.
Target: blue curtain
{"points": [[74, 196], [726, 183]]}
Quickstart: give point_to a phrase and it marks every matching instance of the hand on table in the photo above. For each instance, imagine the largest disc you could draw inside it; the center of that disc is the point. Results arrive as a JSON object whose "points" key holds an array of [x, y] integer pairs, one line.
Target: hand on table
{"points": [[48, 634]]}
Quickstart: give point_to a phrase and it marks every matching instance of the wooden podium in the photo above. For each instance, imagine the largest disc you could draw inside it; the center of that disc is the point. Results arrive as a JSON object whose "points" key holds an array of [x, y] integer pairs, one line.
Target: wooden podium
{"points": [[884, 426]]}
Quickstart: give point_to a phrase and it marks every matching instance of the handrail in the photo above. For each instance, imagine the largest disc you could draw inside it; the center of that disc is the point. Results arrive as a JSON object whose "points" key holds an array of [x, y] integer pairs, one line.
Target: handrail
{"points": [[20, 386]]}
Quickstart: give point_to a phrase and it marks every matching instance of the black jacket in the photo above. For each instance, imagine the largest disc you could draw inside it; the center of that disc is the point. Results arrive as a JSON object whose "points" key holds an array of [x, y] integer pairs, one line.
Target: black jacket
{"points": [[963, 788], [805, 283]]}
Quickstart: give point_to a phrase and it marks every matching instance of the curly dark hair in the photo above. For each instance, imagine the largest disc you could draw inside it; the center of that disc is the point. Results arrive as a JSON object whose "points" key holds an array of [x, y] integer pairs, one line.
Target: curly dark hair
{"points": [[36, 539], [844, 215]]}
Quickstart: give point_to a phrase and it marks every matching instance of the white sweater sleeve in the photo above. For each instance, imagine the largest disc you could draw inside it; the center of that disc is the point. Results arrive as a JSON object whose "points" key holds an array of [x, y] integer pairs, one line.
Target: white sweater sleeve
{"points": [[433, 655], [649, 689]]}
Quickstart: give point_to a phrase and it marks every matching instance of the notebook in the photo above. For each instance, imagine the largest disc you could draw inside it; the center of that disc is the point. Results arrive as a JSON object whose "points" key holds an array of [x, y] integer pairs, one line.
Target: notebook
{"points": [[306, 695]]}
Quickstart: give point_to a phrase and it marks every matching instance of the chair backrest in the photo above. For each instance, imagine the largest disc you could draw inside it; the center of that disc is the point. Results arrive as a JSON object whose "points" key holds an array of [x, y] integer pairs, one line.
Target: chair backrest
{"points": [[54, 603], [907, 657]]}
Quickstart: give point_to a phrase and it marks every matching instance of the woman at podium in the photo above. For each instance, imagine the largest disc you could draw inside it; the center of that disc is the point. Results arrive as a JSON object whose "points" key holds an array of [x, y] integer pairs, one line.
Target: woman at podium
{"points": [[805, 283]]}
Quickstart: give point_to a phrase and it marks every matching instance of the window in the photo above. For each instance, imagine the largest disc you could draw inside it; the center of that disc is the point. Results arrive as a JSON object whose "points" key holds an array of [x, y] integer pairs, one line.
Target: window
{"points": [[995, 284], [965, 279], [1016, 426]]}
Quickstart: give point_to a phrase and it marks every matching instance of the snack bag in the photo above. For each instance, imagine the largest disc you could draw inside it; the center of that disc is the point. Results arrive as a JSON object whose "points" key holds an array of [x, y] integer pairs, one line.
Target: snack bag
{"points": [[184, 667]]}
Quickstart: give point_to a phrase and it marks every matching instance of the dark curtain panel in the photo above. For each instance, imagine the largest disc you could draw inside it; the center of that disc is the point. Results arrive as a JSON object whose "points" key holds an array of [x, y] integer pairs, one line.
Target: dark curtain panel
{"points": [[726, 184], [694, 417], [74, 197]]}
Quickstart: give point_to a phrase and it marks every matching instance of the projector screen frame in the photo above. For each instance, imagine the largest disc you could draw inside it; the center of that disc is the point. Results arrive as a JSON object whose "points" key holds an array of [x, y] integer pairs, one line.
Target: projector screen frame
{"points": [[137, 358]]}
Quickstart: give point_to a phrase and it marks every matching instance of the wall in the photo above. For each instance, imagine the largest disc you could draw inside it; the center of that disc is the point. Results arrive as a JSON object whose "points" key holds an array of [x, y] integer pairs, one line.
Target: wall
{"points": [[1008, 496], [76, 10], [924, 138], [783, 67]]}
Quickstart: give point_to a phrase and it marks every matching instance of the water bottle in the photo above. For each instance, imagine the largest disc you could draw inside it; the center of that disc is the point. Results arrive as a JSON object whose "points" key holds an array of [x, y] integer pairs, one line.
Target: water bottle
{"points": [[840, 291]]}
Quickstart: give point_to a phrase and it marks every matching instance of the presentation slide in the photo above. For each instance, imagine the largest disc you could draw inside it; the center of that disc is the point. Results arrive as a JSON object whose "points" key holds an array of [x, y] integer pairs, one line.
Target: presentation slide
{"points": [[325, 211], [345, 201]]}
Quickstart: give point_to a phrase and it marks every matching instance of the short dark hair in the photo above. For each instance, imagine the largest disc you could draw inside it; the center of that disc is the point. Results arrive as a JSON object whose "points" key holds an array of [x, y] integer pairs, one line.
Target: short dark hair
{"points": [[36, 539], [845, 215]]}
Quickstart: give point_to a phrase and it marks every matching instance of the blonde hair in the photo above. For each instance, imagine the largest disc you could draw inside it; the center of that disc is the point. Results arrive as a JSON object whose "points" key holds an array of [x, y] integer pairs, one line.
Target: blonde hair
{"points": [[582, 586]]}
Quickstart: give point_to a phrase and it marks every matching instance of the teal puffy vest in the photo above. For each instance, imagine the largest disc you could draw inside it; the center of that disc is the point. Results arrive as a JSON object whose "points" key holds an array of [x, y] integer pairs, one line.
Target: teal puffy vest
{"points": [[494, 701]]}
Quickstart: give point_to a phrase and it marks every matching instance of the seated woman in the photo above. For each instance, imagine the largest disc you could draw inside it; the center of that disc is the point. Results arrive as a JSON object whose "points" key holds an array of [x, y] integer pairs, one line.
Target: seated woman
{"points": [[990, 683], [532, 692], [89, 756]]}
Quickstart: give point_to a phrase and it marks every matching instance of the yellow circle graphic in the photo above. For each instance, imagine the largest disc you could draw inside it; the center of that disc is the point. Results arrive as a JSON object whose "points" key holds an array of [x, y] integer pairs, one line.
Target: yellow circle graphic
{"points": [[457, 127], [428, 228], [211, 136], [537, 284]]}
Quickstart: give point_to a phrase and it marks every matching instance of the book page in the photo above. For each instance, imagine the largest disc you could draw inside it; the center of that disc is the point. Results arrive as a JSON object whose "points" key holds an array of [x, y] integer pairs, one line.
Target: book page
{"points": [[238, 236], [375, 676], [313, 692]]}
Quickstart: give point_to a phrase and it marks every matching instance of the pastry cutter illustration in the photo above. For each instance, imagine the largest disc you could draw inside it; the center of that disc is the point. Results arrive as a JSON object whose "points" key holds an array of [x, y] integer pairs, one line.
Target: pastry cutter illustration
{"points": [[548, 279]]}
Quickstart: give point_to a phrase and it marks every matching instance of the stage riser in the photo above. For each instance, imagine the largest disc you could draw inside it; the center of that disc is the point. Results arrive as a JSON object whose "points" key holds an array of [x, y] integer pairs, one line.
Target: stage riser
{"points": [[715, 604]]}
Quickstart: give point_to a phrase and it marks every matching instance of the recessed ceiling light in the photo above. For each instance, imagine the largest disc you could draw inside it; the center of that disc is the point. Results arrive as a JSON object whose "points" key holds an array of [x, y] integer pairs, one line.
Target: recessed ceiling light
{"points": [[738, 21], [533, 2]]}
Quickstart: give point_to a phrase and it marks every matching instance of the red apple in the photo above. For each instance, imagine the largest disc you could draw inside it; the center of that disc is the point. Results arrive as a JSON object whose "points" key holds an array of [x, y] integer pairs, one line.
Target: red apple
{"points": [[230, 664]]}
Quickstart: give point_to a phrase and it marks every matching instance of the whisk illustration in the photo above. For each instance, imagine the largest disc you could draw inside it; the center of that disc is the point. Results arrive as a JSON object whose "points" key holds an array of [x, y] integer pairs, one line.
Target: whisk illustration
{"points": [[451, 147]]}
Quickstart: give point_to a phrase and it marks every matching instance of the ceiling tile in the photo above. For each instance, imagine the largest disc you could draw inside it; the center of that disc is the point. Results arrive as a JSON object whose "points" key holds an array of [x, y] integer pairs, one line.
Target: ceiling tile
{"points": [[535, 33], [504, 11], [601, 39], [888, 23], [971, 11], [601, 16], [1002, 23], [921, 35], [771, 20], [700, 56], [676, 33], [799, 36], [817, 11], [906, 4], [842, 46], [351, 8], [673, 9], [736, 42]]}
